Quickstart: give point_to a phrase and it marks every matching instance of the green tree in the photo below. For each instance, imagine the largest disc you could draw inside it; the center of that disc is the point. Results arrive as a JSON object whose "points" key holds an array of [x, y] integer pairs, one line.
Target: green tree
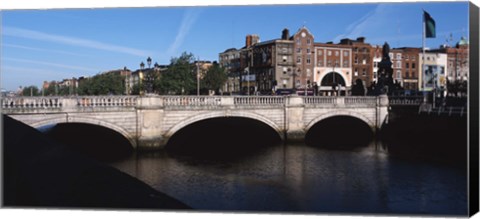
{"points": [[180, 77], [30, 91], [52, 89], [215, 78], [103, 84]]}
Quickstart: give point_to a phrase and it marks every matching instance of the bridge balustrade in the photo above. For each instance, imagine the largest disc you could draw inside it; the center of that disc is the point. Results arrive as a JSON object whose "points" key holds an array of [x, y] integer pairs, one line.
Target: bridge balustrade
{"points": [[106, 101], [320, 100], [360, 101], [406, 101], [258, 100], [113, 102], [31, 103], [192, 101]]}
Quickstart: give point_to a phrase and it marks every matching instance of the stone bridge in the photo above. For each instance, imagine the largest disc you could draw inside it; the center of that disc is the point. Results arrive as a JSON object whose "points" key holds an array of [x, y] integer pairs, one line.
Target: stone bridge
{"points": [[149, 121]]}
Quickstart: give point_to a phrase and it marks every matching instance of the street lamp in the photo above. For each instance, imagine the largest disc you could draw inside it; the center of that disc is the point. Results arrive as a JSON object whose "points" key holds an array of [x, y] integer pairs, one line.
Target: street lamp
{"points": [[149, 61]]}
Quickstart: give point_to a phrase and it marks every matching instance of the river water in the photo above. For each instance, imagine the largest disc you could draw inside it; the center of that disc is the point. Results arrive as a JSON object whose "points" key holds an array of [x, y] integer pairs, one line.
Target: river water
{"points": [[306, 179]]}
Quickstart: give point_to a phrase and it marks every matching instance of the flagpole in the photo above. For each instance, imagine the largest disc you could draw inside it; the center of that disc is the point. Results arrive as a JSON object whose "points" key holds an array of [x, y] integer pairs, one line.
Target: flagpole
{"points": [[423, 57]]}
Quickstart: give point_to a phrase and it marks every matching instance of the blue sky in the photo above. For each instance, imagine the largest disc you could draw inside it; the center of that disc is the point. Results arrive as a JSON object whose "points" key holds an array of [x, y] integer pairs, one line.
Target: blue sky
{"points": [[45, 45]]}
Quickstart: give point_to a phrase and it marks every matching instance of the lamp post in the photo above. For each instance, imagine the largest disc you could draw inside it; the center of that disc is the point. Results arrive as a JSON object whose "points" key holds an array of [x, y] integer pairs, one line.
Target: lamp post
{"points": [[248, 82], [198, 77]]}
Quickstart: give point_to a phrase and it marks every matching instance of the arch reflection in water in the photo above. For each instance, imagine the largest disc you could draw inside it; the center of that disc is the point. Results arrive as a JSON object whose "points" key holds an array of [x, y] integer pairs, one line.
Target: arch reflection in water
{"points": [[339, 132], [222, 138]]}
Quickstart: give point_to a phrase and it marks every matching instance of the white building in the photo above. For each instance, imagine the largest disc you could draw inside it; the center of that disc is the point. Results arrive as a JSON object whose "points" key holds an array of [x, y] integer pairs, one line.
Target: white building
{"points": [[434, 76]]}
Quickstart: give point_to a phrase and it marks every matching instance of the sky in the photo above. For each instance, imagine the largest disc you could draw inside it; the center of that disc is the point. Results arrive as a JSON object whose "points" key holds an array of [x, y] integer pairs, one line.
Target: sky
{"points": [[53, 44]]}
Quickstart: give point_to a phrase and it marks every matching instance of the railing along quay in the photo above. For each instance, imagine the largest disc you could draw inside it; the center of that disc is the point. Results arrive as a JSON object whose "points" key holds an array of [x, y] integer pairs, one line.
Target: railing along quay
{"points": [[448, 110]]}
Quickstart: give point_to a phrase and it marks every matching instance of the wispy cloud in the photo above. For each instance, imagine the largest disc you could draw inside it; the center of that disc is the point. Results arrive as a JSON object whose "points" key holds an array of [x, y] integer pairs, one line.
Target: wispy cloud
{"points": [[78, 68], [73, 41], [189, 19], [374, 20], [41, 50]]}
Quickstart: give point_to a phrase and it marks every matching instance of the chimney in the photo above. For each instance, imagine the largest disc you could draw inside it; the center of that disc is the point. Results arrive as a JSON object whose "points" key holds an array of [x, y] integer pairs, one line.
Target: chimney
{"points": [[255, 39], [248, 41], [361, 39], [285, 34], [345, 41]]}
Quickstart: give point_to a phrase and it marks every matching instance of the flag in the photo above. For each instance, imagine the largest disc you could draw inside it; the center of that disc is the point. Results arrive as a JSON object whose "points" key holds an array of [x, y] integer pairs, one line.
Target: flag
{"points": [[429, 25]]}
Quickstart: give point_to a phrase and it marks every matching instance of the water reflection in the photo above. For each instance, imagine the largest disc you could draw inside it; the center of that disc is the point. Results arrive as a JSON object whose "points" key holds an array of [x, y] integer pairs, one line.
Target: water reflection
{"points": [[297, 177]]}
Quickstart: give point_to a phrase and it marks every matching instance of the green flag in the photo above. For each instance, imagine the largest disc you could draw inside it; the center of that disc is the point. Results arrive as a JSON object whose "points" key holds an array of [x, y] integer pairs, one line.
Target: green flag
{"points": [[429, 25]]}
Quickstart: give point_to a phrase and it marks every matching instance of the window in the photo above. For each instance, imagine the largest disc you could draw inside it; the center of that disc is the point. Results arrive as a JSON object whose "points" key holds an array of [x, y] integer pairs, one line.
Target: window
{"points": [[320, 63], [399, 64], [337, 64], [329, 63], [284, 50], [308, 60], [399, 56], [413, 65], [355, 72], [345, 63], [329, 53], [308, 51], [320, 52], [308, 41], [345, 53], [299, 50], [356, 60], [284, 58], [309, 73], [407, 74], [298, 41], [364, 72], [337, 53], [406, 65], [284, 70], [299, 60], [399, 74], [364, 61]]}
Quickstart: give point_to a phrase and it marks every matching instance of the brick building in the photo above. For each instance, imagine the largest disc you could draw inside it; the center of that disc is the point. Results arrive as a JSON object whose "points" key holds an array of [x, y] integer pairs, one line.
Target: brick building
{"points": [[362, 58]]}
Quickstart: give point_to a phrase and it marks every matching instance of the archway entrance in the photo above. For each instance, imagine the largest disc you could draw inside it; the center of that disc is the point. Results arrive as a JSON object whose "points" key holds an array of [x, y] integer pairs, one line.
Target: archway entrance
{"points": [[333, 84]]}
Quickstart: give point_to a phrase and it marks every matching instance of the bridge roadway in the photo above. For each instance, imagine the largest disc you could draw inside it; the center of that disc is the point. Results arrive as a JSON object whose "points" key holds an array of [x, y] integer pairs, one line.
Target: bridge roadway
{"points": [[149, 121]]}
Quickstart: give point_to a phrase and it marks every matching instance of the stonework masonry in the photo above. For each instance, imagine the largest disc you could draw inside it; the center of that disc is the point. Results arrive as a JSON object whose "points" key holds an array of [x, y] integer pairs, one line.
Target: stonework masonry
{"points": [[148, 122]]}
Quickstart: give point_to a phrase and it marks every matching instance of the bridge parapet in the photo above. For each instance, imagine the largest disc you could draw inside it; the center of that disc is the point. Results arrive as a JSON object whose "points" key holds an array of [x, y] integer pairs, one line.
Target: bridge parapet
{"points": [[106, 101], [406, 100], [184, 101], [32, 103]]}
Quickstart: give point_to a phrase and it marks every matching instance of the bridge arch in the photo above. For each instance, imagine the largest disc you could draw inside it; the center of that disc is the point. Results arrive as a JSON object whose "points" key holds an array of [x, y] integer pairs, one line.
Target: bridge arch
{"points": [[353, 114], [92, 121], [211, 115]]}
